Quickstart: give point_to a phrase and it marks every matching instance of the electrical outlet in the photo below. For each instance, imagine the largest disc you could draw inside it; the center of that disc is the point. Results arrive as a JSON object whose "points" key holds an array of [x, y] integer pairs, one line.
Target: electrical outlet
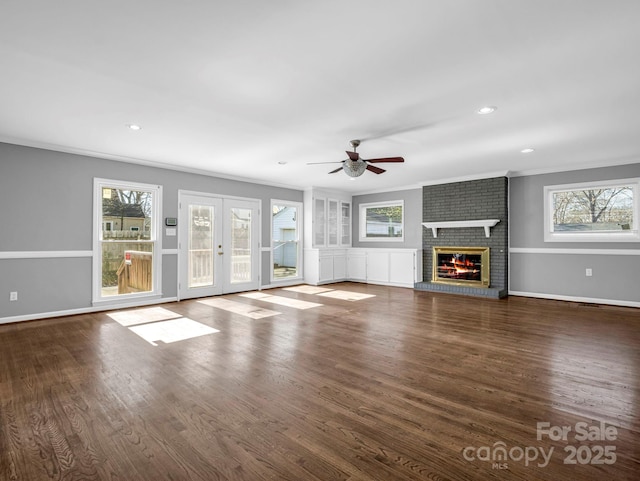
{"points": [[13, 296], [588, 272]]}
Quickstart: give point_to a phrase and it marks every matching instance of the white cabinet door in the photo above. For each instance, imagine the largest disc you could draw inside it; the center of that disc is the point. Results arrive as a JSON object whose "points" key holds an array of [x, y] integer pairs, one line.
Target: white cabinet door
{"points": [[339, 267], [325, 268], [377, 266], [357, 267], [401, 267]]}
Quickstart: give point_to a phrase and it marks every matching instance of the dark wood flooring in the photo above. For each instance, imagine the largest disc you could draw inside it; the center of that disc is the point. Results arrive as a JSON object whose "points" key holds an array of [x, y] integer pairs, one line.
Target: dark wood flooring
{"points": [[402, 386]]}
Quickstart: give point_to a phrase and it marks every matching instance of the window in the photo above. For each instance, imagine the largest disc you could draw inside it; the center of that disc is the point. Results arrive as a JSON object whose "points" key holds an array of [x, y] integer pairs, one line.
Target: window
{"points": [[382, 221], [286, 255], [592, 212], [127, 252]]}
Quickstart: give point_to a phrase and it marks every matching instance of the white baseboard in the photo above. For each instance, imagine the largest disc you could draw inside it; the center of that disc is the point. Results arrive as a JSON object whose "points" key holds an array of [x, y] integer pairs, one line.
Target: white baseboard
{"points": [[84, 310], [590, 300], [389, 284]]}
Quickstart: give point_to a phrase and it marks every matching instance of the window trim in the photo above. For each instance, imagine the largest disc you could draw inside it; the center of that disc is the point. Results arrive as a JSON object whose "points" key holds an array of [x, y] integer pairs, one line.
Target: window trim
{"points": [[155, 238], [299, 239], [362, 214], [632, 235]]}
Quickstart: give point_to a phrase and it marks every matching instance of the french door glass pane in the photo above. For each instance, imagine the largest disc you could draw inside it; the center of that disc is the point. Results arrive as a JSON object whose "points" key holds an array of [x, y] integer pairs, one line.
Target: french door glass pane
{"points": [[285, 241], [201, 248], [240, 245]]}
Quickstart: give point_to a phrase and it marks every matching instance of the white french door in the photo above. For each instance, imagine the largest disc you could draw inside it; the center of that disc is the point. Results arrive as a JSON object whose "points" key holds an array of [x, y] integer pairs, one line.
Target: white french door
{"points": [[218, 248]]}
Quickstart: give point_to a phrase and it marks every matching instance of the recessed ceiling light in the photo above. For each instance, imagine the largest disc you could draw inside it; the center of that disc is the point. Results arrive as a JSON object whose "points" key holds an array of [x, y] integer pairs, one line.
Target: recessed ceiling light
{"points": [[134, 126], [282, 162], [489, 109], [528, 150]]}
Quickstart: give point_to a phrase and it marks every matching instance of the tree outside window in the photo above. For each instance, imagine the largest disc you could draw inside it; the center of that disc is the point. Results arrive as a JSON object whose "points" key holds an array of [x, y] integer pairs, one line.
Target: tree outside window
{"points": [[592, 211]]}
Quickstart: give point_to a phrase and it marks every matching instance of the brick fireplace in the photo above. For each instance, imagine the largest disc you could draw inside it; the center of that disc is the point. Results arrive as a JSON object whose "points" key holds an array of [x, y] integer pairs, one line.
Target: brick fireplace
{"points": [[460, 216]]}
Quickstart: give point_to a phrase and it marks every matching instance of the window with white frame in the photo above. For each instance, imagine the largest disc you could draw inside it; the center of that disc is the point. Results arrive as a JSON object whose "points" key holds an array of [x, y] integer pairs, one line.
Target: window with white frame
{"points": [[286, 228], [382, 221], [605, 211], [127, 248]]}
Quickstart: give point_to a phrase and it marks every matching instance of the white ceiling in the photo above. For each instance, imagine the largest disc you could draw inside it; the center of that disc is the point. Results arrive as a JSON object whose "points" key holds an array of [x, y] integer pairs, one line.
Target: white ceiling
{"points": [[233, 88]]}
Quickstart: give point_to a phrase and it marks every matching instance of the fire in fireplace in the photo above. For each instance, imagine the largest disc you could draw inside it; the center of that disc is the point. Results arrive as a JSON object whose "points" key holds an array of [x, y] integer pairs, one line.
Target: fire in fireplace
{"points": [[461, 265]]}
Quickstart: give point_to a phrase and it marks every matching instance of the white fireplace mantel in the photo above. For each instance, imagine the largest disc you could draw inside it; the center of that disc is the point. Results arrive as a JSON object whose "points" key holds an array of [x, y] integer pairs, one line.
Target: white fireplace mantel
{"points": [[456, 224]]}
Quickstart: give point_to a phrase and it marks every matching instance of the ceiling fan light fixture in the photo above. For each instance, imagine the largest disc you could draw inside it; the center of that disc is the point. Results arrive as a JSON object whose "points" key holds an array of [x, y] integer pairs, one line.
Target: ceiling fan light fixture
{"points": [[354, 168], [489, 109]]}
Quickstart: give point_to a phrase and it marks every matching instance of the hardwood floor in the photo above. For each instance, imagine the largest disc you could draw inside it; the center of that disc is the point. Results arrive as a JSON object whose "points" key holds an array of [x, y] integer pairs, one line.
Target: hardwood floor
{"points": [[404, 385]]}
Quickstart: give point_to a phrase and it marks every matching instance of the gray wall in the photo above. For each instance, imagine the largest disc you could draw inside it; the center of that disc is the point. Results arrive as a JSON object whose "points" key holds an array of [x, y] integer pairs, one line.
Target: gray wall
{"points": [[412, 218], [46, 204], [560, 271]]}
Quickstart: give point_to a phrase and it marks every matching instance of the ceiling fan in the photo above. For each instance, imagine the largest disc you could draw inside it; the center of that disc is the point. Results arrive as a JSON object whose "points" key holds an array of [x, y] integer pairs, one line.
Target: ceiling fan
{"points": [[355, 165]]}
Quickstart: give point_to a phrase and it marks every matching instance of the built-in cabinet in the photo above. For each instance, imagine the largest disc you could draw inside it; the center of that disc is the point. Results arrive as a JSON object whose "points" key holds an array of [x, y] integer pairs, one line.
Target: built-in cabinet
{"points": [[330, 222], [331, 258], [392, 267], [325, 265], [328, 234]]}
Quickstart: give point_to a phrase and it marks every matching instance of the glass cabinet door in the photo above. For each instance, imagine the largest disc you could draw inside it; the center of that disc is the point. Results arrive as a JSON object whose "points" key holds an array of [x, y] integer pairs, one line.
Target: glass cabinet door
{"points": [[332, 223], [345, 223], [319, 222]]}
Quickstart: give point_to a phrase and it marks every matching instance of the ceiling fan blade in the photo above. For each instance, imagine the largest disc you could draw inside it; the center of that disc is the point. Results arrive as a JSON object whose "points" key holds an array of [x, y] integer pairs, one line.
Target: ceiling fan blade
{"points": [[337, 170], [387, 159], [353, 155], [332, 162], [375, 170]]}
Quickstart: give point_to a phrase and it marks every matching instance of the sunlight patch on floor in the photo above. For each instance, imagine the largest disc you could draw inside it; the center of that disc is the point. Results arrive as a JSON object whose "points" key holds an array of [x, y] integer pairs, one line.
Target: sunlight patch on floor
{"points": [[142, 316], [306, 289], [160, 324], [246, 310], [347, 295], [172, 331], [255, 295], [283, 301]]}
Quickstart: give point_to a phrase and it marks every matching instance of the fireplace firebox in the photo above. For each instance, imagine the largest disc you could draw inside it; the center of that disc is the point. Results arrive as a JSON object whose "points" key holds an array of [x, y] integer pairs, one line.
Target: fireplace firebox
{"points": [[467, 266]]}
